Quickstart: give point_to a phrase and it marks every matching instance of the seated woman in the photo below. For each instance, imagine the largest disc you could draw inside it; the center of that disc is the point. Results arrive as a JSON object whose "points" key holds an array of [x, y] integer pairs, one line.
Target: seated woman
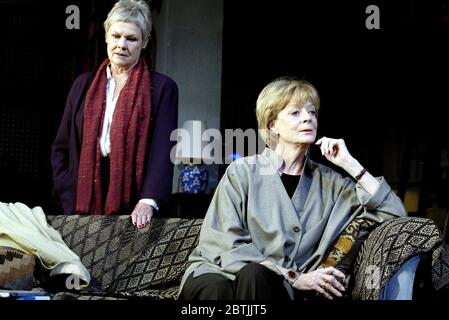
{"points": [[274, 215]]}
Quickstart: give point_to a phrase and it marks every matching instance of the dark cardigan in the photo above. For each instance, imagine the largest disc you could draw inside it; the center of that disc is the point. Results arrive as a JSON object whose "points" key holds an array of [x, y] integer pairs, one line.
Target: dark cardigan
{"points": [[158, 172]]}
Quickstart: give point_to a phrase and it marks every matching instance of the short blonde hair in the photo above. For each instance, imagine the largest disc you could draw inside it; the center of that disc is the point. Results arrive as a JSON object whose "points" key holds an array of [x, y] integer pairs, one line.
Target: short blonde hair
{"points": [[275, 97], [131, 11]]}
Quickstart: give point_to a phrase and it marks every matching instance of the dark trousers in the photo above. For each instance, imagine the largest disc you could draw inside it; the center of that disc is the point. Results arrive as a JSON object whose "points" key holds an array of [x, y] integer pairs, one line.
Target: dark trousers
{"points": [[253, 282]]}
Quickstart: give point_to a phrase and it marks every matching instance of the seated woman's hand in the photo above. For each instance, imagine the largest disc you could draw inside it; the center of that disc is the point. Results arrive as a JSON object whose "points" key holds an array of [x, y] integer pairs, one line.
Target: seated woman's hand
{"points": [[335, 151], [323, 281], [141, 215]]}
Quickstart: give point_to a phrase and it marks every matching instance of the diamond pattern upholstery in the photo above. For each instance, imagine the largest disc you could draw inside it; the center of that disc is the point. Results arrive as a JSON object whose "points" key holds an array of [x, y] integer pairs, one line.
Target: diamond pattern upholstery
{"points": [[390, 245], [126, 261]]}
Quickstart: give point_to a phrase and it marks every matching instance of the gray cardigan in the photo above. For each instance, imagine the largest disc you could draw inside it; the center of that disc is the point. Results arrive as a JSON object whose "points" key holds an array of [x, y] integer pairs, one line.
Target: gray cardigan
{"points": [[251, 217]]}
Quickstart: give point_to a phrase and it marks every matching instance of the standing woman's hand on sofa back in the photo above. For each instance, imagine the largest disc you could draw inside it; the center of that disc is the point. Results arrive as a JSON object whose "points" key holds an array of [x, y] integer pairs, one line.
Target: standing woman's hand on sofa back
{"points": [[141, 215]]}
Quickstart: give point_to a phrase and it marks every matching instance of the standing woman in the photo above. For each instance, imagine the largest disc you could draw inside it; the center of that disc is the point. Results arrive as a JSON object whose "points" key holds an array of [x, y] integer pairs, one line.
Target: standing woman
{"points": [[274, 215], [111, 154]]}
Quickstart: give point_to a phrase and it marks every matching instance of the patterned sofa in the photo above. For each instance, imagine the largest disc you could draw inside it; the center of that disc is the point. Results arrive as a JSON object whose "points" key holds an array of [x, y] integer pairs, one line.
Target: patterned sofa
{"points": [[130, 263]]}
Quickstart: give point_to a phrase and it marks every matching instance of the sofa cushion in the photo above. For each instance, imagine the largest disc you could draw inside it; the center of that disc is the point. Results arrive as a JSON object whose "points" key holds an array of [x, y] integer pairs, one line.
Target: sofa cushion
{"points": [[124, 260], [342, 253], [163, 262]]}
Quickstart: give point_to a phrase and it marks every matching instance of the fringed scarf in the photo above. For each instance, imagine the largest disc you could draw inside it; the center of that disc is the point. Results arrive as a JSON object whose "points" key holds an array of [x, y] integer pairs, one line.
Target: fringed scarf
{"points": [[129, 135]]}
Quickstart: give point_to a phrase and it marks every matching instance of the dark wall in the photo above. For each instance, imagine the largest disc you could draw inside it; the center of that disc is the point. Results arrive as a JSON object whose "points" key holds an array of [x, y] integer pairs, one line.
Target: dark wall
{"points": [[39, 60], [378, 87]]}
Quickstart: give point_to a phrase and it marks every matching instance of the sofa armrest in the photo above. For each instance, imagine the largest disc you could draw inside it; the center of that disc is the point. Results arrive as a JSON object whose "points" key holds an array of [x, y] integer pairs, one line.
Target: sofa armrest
{"points": [[389, 246]]}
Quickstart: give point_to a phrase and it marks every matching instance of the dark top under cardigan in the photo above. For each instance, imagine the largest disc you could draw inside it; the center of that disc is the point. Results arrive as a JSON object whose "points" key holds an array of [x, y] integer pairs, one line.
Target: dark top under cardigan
{"points": [[158, 172], [290, 183]]}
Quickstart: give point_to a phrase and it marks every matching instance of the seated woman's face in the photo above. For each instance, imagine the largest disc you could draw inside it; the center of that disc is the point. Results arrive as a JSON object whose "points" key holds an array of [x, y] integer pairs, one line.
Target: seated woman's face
{"points": [[124, 44], [296, 124]]}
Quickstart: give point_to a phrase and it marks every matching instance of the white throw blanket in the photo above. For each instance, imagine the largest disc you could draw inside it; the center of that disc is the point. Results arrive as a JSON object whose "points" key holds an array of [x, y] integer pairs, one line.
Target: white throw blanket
{"points": [[27, 229]]}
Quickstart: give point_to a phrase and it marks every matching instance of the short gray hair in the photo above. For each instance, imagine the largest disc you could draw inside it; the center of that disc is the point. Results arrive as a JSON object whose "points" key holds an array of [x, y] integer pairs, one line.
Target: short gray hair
{"points": [[131, 11]]}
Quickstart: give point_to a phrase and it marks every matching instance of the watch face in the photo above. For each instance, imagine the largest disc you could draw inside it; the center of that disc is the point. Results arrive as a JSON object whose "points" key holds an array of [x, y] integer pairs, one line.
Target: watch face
{"points": [[291, 274]]}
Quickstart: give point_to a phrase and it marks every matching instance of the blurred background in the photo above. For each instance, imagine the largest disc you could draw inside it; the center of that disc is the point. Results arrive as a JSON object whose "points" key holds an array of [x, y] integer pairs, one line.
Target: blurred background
{"points": [[384, 91]]}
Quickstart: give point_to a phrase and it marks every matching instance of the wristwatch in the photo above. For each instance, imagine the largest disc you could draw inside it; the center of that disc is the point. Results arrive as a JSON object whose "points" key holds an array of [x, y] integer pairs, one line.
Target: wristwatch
{"points": [[291, 276]]}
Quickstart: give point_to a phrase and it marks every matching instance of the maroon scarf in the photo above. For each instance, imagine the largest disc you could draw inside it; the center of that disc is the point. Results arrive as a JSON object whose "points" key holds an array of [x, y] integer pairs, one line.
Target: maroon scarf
{"points": [[129, 135]]}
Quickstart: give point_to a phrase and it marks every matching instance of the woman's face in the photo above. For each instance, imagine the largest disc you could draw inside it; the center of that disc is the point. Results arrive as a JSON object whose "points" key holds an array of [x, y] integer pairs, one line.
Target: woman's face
{"points": [[296, 124], [124, 44]]}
